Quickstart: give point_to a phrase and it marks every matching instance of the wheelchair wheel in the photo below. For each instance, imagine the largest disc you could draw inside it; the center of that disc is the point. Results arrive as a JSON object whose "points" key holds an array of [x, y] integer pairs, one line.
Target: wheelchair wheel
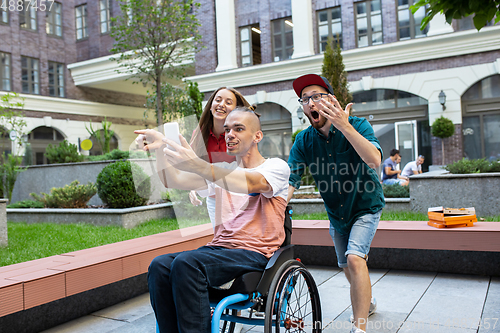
{"points": [[228, 326], [293, 303]]}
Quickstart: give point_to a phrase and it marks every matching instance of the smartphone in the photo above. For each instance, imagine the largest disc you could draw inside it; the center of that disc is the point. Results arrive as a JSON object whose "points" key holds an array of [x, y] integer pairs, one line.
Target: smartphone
{"points": [[171, 131]]}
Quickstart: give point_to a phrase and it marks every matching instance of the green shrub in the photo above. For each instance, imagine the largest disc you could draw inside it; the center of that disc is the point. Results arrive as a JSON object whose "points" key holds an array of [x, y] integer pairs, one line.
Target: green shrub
{"points": [[65, 152], [27, 204], [115, 154], [116, 185], [69, 196], [396, 191], [294, 134], [473, 166]]}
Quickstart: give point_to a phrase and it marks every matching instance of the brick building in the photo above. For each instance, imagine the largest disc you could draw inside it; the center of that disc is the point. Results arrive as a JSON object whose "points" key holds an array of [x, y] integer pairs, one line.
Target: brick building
{"points": [[38, 48], [59, 61]]}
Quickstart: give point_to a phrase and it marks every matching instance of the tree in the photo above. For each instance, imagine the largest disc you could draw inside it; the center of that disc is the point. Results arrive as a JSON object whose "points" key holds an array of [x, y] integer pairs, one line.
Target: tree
{"points": [[334, 70], [483, 10], [177, 101], [11, 115], [154, 38], [442, 128], [103, 136]]}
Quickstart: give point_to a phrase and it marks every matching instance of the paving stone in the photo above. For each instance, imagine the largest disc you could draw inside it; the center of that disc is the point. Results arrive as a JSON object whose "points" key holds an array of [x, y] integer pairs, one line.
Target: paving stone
{"points": [[87, 324], [129, 310], [490, 320], [323, 273], [145, 324]]}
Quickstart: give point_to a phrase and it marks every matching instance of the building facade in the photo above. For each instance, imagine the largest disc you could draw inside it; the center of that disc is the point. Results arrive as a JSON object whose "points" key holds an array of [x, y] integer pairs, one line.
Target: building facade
{"points": [[59, 61], [42, 43], [396, 71]]}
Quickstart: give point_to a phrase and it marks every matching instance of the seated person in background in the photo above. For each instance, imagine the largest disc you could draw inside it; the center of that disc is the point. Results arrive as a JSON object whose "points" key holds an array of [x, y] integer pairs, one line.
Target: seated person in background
{"points": [[250, 210], [390, 174], [413, 168]]}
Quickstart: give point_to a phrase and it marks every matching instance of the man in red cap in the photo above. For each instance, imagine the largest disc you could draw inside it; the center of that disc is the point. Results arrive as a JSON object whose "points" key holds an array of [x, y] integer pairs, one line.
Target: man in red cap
{"points": [[342, 154]]}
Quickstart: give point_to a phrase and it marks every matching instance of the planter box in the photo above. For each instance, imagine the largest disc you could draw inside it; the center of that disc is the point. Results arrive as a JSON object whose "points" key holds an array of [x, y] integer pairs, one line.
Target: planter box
{"points": [[308, 206], [42, 178], [479, 190], [125, 217]]}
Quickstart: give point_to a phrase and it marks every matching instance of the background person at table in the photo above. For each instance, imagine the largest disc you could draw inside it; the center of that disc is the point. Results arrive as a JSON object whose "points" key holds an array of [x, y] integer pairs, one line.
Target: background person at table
{"points": [[390, 174], [414, 167], [341, 153]]}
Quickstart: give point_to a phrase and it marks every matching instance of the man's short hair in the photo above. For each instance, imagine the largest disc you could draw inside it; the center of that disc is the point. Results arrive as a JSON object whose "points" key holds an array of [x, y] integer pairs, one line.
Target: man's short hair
{"points": [[421, 156], [250, 109], [394, 152]]}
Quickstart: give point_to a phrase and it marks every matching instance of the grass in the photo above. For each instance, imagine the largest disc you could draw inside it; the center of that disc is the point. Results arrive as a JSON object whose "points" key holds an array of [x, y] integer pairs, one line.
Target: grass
{"points": [[40, 240]]}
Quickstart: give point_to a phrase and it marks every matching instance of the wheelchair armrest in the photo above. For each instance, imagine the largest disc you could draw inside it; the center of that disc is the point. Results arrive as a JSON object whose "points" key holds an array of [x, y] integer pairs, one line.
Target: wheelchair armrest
{"points": [[279, 257]]}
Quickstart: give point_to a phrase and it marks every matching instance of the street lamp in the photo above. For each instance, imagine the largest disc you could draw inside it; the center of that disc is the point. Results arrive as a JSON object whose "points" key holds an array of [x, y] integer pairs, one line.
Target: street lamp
{"points": [[300, 115], [442, 99]]}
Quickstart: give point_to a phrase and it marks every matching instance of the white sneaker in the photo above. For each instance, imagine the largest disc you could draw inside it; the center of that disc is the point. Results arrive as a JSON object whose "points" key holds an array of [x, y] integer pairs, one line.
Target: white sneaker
{"points": [[357, 330], [373, 308]]}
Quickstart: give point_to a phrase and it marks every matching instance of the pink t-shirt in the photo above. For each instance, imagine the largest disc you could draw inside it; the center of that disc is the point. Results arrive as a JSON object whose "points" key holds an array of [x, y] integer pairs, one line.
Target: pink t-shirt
{"points": [[252, 221]]}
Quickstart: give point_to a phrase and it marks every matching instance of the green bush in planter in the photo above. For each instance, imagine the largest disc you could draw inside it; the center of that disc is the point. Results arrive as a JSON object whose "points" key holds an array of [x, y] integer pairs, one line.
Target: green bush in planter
{"points": [[69, 196], [396, 191], [465, 166], [27, 204], [116, 187], [65, 152]]}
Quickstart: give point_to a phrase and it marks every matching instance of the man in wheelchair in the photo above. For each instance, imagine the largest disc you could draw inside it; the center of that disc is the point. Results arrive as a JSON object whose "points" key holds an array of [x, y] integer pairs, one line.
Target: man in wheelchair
{"points": [[251, 196]]}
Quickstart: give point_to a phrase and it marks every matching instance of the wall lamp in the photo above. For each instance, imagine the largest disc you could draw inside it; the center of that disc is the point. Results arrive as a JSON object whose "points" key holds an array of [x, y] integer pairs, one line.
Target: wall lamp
{"points": [[442, 99], [300, 115]]}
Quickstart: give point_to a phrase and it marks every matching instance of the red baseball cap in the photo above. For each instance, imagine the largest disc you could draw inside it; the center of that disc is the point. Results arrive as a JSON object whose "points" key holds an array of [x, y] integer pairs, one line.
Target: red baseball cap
{"points": [[311, 79]]}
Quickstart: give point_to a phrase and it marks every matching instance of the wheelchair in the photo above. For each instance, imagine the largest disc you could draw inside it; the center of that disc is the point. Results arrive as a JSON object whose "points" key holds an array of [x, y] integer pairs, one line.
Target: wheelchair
{"points": [[285, 293]]}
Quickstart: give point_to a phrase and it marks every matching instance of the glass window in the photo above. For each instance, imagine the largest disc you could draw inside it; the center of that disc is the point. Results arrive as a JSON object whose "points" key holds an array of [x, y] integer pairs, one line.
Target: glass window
{"points": [[277, 128], [409, 23], [492, 136], [81, 22], [53, 23], [56, 79], [486, 88], [385, 99], [329, 26], [104, 15], [5, 71], [4, 11], [282, 30], [368, 23], [30, 75], [250, 45], [27, 16]]}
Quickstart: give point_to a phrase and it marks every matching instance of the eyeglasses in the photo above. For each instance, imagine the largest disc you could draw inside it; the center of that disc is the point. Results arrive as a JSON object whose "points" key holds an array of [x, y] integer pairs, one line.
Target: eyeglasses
{"points": [[316, 98]]}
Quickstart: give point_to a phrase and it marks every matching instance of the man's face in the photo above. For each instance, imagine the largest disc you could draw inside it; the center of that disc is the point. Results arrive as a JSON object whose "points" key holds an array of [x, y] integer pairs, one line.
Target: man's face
{"points": [[242, 131], [420, 161], [310, 109], [398, 158]]}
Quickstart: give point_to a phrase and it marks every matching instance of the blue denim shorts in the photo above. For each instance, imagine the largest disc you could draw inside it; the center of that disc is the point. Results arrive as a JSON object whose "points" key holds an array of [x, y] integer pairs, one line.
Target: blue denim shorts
{"points": [[358, 240]]}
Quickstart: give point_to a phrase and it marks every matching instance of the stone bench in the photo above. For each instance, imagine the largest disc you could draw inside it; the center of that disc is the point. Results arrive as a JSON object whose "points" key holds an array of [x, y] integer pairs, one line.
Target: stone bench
{"points": [[411, 245]]}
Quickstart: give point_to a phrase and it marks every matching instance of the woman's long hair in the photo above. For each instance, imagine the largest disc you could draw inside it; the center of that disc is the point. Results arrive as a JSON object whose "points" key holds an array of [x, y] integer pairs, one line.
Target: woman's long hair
{"points": [[200, 137]]}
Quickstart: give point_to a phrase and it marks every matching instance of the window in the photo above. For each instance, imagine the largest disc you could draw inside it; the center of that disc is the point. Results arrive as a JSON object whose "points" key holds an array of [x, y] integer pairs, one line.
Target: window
{"points": [[81, 22], [329, 26], [282, 39], [368, 23], [56, 79], [29, 75], [277, 128], [250, 45], [27, 16], [378, 99], [105, 15], [4, 71], [408, 23], [39, 139], [54, 19], [4, 13]]}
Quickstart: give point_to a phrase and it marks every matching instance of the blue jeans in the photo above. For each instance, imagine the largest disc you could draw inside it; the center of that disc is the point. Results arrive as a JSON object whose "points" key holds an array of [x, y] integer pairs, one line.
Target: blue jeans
{"points": [[358, 240], [178, 284]]}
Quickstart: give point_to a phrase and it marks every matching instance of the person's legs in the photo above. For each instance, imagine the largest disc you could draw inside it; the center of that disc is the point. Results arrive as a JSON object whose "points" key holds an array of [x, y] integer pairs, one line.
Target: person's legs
{"points": [[192, 272], [352, 254], [160, 292]]}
